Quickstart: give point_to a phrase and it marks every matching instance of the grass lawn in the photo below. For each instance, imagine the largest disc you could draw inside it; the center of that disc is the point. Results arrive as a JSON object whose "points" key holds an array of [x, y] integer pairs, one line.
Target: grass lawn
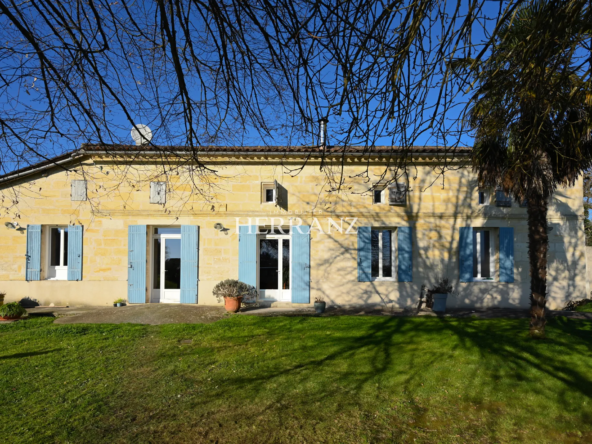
{"points": [[296, 379], [584, 308]]}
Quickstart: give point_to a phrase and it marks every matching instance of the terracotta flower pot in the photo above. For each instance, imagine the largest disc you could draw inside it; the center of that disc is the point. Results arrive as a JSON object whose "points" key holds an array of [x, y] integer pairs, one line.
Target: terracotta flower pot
{"points": [[9, 318], [232, 305]]}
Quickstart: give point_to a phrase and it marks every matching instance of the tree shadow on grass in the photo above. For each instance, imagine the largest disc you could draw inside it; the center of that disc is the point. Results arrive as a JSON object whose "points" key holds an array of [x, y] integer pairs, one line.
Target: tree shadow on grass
{"points": [[29, 354], [310, 376], [524, 353]]}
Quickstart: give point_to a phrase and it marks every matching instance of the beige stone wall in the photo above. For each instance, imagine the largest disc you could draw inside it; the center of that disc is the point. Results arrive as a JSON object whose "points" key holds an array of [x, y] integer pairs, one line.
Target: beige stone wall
{"points": [[588, 272], [438, 206]]}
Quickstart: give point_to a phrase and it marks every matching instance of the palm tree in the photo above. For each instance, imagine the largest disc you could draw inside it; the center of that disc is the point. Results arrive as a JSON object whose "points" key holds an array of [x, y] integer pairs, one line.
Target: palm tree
{"points": [[531, 113]]}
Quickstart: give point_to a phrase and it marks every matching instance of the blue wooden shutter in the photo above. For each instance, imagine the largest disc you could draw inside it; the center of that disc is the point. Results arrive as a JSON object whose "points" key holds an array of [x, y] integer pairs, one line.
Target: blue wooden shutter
{"points": [[75, 253], [136, 272], [465, 254], [405, 254], [506, 254], [189, 263], [301, 264], [247, 254], [364, 254], [33, 264]]}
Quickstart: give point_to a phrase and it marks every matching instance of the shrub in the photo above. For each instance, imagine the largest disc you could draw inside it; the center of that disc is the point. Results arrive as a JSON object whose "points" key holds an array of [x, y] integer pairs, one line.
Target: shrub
{"points": [[27, 302], [579, 305], [442, 287], [119, 301], [12, 310], [231, 288]]}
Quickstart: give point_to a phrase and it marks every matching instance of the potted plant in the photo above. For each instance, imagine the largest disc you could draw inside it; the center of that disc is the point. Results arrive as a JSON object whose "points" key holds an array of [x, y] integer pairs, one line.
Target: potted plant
{"points": [[2, 298], [12, 310], [319, 305], [437, 296], [233, 292], [119, 302]]}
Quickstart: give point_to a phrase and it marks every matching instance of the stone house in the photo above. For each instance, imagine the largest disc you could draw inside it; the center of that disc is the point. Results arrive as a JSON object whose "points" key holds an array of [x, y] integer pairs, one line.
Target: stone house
{"points": [[105, 222]]}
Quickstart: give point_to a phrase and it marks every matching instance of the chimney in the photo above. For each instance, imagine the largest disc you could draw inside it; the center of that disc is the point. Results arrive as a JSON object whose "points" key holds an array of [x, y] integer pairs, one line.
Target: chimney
{"points": [[323, 132]]}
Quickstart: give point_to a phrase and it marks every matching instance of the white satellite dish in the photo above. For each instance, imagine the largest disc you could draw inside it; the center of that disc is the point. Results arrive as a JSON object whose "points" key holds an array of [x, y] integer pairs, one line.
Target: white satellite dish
{"points": [[141, 134]]}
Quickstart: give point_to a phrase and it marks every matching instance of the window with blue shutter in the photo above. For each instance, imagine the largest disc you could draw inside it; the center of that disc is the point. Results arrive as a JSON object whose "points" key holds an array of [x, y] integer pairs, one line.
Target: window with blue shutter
{"points": [[75, 252], [465, 253], [247, 254], [377, 250], [405, 247], [301, 264], [136, 274], [506, 254], [33, 256], [189, 263]]}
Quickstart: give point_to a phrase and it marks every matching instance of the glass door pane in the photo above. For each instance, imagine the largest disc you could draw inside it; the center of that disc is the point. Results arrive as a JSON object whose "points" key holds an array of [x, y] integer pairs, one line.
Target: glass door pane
{"points": [[156, 265], [268, 264], [375, 245], [54, 256], [65, 250], [286, 264], [172, 264], [387, 253], [485, 259]]}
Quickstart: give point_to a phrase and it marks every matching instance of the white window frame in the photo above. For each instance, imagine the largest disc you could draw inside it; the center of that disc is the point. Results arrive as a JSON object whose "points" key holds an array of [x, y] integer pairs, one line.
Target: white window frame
{"points": [[478, 241], [157, 295], [268, 186], [382, 196], [486, 197], [282, 295], [380, 254], [56, 272]]}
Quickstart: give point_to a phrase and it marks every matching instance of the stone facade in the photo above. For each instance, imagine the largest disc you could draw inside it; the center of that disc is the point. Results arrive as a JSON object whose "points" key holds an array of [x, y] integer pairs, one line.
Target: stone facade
{"points": [[437, 206]]}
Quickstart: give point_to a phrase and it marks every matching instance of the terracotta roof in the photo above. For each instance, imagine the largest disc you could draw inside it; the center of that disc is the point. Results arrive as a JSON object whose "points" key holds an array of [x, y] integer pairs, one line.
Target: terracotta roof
{"points": [[263, 149]]}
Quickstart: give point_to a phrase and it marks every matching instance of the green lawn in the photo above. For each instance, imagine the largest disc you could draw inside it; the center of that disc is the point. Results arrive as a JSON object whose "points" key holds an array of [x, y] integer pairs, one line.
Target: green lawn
{"points": [[584, 308], [296, 379]]}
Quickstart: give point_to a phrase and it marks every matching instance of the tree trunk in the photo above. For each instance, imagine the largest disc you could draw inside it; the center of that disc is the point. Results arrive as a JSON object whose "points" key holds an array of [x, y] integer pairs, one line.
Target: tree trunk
{"points": [[538, 244]]}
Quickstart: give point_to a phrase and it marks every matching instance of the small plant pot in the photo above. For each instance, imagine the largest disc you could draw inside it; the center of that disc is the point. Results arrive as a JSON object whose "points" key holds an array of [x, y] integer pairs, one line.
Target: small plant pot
{"points": [[232, 305], [9, 318], [320, 307], [439, 302], [119, 304]]}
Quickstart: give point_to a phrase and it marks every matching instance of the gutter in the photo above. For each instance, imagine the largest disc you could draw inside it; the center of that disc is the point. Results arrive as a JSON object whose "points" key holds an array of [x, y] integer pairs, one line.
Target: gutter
{"points": [[41, 168], [269, 153]]}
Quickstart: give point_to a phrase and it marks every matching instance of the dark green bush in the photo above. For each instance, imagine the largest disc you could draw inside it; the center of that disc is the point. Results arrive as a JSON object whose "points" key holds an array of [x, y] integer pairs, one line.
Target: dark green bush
{"points": [[12, 309]]}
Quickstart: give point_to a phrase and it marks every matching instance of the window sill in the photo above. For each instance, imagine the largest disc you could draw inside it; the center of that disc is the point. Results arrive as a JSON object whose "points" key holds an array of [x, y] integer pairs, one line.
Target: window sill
{"points": [[383, 279], [484, 280]]}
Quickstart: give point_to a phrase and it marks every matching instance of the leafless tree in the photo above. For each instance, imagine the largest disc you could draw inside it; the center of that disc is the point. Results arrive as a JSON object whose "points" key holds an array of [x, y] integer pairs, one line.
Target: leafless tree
{"points": [[233, 73]]}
